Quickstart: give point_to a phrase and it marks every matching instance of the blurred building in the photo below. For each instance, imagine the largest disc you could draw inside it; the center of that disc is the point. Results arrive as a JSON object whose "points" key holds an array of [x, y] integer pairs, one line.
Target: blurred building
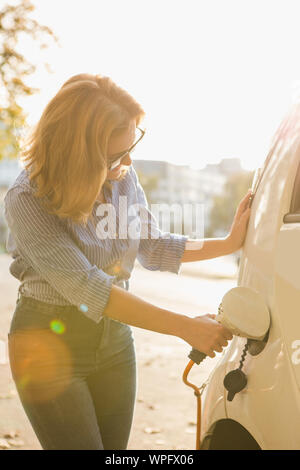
{"points": [[226, 167], [182, 184], [174, 184]]}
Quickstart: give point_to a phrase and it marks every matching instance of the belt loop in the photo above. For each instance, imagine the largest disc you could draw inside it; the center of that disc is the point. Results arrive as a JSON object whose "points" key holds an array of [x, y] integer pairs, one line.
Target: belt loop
{"points": [[105, 333]]}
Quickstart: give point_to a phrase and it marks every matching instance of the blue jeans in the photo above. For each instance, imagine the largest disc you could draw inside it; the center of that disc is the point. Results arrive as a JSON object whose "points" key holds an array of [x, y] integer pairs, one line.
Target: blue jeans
{"points": [[76, 379]]}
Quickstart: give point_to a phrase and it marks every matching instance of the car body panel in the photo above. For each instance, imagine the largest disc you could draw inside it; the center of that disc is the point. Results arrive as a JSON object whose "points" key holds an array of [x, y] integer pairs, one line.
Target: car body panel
{"points": [[269, 407]]}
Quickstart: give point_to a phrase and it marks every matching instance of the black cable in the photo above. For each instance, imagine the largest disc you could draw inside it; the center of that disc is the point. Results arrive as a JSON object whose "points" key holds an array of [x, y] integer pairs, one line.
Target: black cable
{"points": [[244, 354]]}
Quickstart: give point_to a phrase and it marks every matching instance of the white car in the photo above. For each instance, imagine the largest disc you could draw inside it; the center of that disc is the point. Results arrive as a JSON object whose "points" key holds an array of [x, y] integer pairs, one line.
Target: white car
{"points": [[266, 413]]}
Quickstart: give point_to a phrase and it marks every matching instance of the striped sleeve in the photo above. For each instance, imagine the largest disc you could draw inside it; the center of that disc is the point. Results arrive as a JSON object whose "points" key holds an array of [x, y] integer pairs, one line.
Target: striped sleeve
{"points": [[45, 245], [158, 251]]}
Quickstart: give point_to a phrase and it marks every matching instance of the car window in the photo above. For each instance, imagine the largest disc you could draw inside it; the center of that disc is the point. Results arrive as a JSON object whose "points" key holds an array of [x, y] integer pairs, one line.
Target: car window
{"points": [[295, 202], [293, 215], [259, 173]]}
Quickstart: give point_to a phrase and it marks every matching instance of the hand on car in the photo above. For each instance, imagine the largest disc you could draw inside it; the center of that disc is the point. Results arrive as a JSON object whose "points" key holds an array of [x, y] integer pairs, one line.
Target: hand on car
{"points": [[239, 226]]}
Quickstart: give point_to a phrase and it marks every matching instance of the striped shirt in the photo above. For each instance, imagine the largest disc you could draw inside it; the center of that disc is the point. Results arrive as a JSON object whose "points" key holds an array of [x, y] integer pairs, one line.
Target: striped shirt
{"points": [[61, 262]]}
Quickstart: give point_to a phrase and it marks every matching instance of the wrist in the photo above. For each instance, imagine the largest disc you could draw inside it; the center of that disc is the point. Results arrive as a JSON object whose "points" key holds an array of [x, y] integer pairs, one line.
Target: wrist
{"points": [[180, 326], [228, 245]]}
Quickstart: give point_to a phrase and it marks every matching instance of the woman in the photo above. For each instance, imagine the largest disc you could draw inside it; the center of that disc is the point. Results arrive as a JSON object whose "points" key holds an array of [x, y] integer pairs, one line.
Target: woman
{"points": [[70, 344]]}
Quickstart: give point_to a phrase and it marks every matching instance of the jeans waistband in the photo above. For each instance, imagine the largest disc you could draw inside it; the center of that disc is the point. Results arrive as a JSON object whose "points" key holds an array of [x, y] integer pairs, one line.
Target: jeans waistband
{"points": [[105, 322]]}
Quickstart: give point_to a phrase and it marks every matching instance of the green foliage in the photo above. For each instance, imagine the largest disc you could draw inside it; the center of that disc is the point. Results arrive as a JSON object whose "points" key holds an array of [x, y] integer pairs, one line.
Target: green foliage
{"points": [[225, 205], [15, 22]]}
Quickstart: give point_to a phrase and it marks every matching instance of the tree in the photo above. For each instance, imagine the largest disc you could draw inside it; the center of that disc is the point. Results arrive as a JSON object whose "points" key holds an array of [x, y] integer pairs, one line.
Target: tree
{"points": [[224, 205], [15, 21]]}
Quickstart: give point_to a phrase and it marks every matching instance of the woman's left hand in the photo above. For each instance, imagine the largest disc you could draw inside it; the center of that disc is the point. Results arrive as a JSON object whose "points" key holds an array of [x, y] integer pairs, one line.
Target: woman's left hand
{"points": [[238, 230]]}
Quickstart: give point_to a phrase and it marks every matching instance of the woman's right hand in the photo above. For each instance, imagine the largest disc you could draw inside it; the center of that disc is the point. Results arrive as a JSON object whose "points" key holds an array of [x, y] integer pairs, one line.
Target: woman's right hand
{"points": [[203, 333], [206, 334]]}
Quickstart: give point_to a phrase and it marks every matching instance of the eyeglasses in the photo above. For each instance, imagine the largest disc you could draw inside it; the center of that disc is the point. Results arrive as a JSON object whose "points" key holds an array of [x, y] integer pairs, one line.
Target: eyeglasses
{"points": [[116, 159]]}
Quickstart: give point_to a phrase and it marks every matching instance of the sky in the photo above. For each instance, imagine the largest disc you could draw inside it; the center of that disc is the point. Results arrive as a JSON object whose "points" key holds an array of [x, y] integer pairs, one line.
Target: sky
{"points": [[214, 77]]}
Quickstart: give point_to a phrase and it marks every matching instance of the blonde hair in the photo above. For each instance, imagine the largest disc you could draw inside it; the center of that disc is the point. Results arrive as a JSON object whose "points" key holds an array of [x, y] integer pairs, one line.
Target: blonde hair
{"points": [[66, 153]]}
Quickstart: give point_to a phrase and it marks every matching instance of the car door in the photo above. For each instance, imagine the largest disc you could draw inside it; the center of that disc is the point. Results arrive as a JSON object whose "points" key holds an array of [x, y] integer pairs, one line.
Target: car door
{"points": [[270, 264], [287, 278]]}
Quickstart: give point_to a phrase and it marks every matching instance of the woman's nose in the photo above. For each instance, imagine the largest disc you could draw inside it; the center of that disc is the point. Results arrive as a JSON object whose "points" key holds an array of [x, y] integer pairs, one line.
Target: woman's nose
{"points": [[127, 160]]}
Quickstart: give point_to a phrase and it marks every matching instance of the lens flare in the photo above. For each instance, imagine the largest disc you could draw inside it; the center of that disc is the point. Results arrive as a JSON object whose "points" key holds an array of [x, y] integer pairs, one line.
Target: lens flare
{"points": [[41, 364], [117, 268], [84, 308], [57, 327], [24, 381]]}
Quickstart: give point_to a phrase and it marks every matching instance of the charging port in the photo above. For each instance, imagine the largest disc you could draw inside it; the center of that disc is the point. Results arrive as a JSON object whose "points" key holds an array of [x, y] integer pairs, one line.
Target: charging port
{"points": [[256, 346]]}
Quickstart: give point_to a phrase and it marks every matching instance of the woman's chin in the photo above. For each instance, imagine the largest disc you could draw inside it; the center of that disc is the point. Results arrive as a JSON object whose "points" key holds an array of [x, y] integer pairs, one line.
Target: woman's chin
{"points": [[114, 174], [118, 173]]}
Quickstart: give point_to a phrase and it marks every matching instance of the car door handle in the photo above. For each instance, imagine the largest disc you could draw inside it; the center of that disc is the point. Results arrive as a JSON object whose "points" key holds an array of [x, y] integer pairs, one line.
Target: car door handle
{"points": [[291, 218]]}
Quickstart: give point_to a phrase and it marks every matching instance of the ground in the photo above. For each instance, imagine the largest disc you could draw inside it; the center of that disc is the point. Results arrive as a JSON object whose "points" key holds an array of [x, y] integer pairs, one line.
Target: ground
{"points": [[165, 409]]}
